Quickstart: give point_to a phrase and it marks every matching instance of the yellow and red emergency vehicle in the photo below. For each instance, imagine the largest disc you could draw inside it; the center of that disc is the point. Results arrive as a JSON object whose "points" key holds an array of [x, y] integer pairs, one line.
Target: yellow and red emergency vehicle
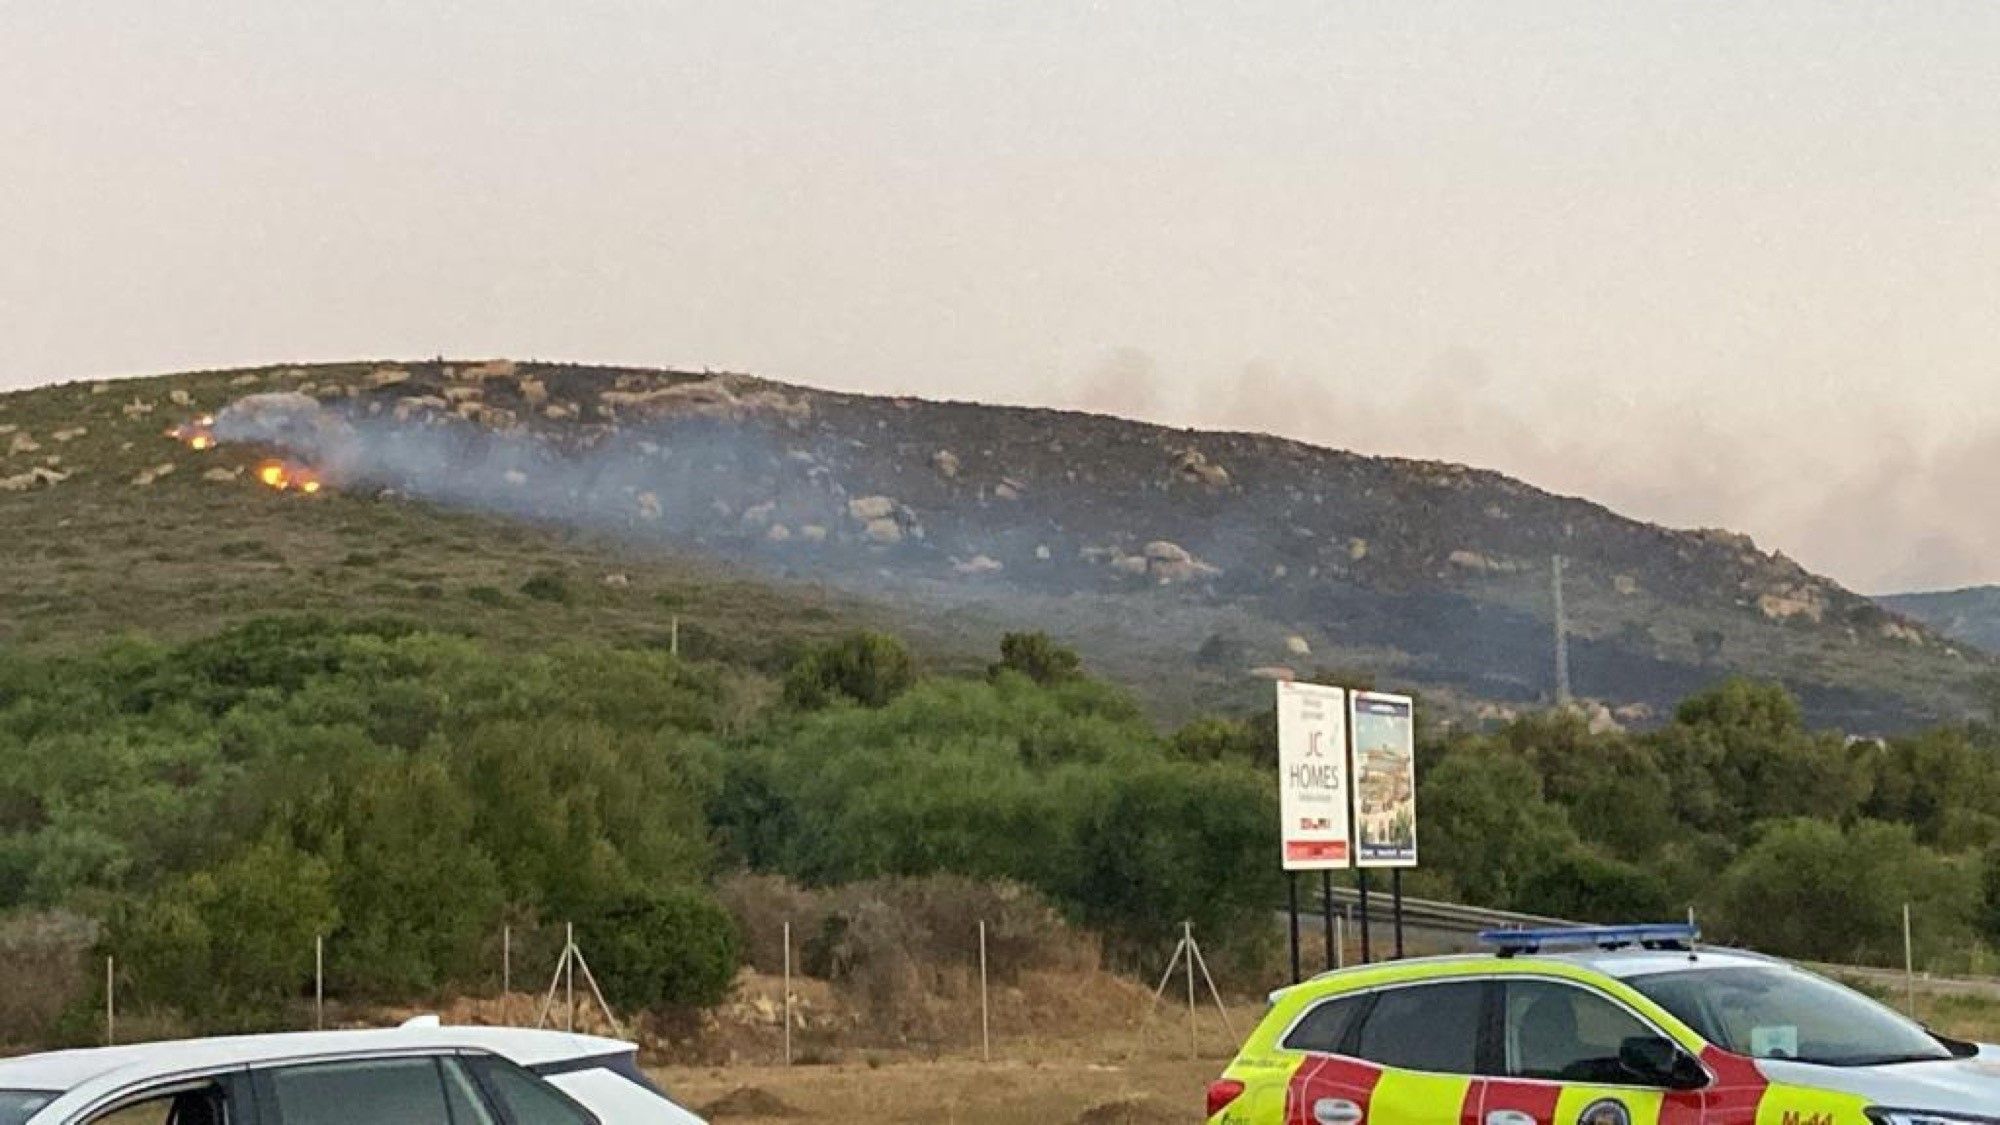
{"points": [[1626, 1025]]}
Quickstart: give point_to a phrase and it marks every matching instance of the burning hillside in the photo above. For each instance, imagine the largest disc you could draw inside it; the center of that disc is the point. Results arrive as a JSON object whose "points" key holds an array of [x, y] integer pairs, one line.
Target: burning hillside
{"points": [[283, 474], [1217, 553]]}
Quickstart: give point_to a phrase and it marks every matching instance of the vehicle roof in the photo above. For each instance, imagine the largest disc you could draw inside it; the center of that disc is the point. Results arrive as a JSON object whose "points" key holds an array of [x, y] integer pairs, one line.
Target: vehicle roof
{"points": [[1621, 964], [65, 1070], [1629, 962]]}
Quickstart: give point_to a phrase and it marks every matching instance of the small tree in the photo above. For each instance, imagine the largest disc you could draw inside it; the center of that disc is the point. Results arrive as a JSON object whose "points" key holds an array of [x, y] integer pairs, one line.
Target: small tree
{"points": [[1037, 657], [675, 948], [865, 668], [235, 942]]}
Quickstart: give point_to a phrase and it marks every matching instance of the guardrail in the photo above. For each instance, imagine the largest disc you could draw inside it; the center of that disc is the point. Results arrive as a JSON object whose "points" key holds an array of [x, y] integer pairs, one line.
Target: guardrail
{"points": [[1429, 914]]}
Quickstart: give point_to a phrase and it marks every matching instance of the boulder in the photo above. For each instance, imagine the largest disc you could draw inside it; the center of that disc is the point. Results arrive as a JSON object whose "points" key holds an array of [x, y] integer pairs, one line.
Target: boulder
{"points": [[946, 463], [21, 482], [1194, 467], [868, 509], [1171, 562]]}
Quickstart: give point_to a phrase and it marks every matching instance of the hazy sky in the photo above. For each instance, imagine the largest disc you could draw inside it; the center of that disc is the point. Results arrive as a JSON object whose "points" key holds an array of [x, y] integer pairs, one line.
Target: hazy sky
{"points": [[1712, 264]]}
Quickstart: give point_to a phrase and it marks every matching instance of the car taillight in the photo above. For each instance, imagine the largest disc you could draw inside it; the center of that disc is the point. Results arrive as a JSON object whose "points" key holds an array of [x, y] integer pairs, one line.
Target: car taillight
{"points": [[1221, 1092]]}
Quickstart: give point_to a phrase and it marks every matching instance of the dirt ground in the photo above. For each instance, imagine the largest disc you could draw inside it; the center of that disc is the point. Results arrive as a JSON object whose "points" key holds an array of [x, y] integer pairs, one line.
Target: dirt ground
{"points": [[949, 1091], [1110, 1076]]}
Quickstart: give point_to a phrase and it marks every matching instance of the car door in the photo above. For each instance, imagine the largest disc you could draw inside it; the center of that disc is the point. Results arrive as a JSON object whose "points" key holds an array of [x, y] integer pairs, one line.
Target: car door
{"points": [[1560, 1050], [1405, 1055]]}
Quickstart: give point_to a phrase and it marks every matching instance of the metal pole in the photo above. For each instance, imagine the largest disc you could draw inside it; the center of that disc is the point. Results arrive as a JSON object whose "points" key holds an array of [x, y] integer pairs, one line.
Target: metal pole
{"points": [[1909, 964], [1187, 940], [1326, 913], [506, 961], [1292, 912], [1159, 994], [110, 1001], [319, 982], [674, 635], [1221, 1009], [985, 1015], [603, 1005], [788, 994], [569, 975], [1340, 941], [1367, 955], [1396, 901]]}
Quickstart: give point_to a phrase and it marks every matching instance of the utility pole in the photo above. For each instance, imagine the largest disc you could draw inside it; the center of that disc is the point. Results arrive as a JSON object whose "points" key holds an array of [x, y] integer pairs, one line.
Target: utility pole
{"points": [[1562, 632]]}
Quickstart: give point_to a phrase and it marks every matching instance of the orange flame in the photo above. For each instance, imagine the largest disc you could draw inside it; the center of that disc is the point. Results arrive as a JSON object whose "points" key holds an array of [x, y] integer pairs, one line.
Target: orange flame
{"points": [[197, 434], [286, 476]]}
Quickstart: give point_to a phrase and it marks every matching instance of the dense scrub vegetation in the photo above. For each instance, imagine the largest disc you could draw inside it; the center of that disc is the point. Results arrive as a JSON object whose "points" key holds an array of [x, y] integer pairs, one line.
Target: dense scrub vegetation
{"points": [[213, 807]]}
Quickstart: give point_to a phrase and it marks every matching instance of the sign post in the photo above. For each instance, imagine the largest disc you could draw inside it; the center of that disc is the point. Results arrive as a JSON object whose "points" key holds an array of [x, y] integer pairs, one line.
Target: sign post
{"points": [[1313, 799], [1383, 729]]}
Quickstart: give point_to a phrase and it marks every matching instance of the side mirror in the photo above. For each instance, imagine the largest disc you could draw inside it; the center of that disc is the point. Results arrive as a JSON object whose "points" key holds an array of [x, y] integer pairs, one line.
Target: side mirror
{"points": [[1653, 1061]]}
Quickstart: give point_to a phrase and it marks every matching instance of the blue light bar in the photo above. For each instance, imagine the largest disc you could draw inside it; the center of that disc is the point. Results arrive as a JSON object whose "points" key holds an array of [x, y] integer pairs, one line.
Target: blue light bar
{"points": [[1656, 935]]}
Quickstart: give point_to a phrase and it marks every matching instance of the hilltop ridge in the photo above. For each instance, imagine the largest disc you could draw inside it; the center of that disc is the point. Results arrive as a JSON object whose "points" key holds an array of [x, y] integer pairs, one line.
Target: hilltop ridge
{"points": [[1187, 563]]}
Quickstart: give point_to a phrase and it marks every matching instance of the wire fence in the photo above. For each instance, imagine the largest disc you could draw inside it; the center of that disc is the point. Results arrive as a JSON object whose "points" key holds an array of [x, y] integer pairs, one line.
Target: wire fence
{"points": [[836, 991]]}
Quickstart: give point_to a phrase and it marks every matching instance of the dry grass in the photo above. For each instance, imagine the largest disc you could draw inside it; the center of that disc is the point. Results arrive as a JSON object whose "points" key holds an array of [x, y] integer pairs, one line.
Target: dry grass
{"points": [[1110, 1073]]}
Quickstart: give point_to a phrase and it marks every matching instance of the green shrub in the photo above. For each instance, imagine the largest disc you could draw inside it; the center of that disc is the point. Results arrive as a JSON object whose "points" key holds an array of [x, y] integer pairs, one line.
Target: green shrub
{"points": [[666, 949], [549, 586], [865, 668]]}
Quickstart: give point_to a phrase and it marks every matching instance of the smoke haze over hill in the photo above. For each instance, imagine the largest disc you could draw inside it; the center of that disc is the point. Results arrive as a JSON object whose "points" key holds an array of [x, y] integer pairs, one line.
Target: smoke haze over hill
{"points": [[1726, 266]]}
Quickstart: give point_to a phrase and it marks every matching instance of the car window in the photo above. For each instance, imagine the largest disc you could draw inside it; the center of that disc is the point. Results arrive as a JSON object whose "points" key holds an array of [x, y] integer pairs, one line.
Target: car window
{"points": [[16, 1106], [1568, 1034], [200, 1106], [461, 1096], [1778, 1012], [1433, 1027], [377, 1091], [528, 1100], [1322, 1029]]}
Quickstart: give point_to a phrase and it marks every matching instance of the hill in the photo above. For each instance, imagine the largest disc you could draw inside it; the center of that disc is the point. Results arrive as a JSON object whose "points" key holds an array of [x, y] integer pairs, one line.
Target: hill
{"points": [[1971, 615], [525, 502]]}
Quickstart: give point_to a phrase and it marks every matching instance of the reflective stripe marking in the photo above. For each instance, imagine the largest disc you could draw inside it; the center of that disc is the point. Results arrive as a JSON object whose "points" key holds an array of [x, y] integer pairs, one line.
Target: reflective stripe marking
{"points": [[1739, 1087], [1324, 1076], [1536, 1099], [1805, 1105], [1403, 1096]]}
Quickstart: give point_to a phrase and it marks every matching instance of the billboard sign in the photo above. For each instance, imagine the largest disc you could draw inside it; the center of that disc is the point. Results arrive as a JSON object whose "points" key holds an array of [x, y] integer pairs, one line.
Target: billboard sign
{"points": [[1312, 777], [1385, 780]]}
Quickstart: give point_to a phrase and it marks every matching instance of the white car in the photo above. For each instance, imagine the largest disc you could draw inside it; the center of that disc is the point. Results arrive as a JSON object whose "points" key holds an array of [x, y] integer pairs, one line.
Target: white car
{"points": [[417, 1074]]}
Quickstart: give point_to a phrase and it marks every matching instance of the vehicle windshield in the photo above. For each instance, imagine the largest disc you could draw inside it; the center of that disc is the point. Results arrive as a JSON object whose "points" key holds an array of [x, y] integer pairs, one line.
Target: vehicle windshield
{"points": [[16, 1106], [1776, 1012]]}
